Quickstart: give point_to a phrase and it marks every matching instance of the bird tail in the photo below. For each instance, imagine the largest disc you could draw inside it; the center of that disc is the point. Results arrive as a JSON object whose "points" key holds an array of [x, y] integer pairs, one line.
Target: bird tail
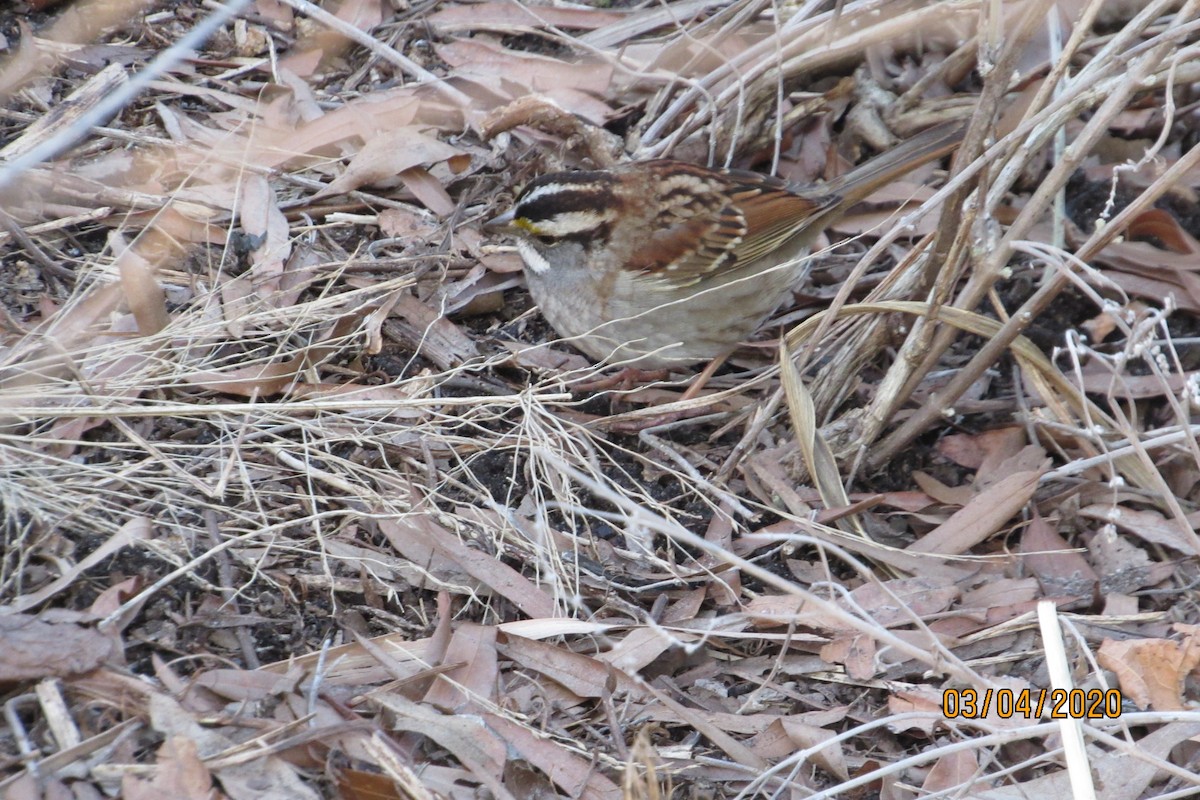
{"points": [[926, 146]]}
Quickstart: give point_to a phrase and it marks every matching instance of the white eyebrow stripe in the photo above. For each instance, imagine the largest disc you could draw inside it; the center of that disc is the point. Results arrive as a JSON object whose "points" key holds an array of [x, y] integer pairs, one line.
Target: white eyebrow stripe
{"points": [[557, 188]]}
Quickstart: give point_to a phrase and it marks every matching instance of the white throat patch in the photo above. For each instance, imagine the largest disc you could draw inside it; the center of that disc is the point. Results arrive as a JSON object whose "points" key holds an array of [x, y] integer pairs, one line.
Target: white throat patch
{"points": [[534, 260]]}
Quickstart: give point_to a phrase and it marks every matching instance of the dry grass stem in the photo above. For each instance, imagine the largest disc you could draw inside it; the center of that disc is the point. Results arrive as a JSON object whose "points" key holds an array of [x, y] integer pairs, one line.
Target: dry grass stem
{"points": [[301, 496]]}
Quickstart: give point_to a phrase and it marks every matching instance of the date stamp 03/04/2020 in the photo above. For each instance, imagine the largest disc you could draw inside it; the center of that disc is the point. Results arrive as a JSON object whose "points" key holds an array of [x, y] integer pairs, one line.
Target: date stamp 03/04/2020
{"points": [[1032, 703]]}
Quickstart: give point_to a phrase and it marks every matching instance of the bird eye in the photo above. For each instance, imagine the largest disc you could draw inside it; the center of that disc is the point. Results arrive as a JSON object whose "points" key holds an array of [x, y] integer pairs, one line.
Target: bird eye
{"points": [[549, 241]]}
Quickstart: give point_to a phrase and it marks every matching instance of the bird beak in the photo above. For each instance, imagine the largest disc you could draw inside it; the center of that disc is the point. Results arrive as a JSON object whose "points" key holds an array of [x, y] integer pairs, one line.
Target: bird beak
{"points": [[502, 223]]}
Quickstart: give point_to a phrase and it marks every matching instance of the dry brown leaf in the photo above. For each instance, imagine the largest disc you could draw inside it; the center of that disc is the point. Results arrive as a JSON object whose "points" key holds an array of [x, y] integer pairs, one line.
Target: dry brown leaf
{"points": [[946, 495], [388, 657], [26, 367], [704, 724], [265, 380], [1134, 120], [787, 734], [258, 380], [904, 501], [263, 221], [751, 724], [435, 654], [1099, 328], [1143, 270], [582, 675], [770, 741], [174, 683], [414, 544], [1152, 671], [689, 56], [134, 530], [385, 155], [50, 645], [330, 44], [181, 227], [1001, 594], [1122, 777], [806, 737], [502, 263], [301, 63], [475, 744], [180, 774], [479, 292], [639, 648], [988, 448], [418, 537], [1120, 605], [768, 477], [183, 127], [1000, 463], [471, 688], [246, 685], [1163, 226], [921, 596], [951, 772], [574, 86], [917, 597], [983, 516], [1124, 567], [355, 784], [510, 16], [238, 301], [774, 610], [428, 190], [966, 450], [408, 224], [925, 700], [115, 596], [856, 652], [576, 776], [1099, 379], [728, 588], [1151, 526], [545, 358], [685, 608], [143, 294], [275, 11], [265, 778], [1059, 571], [291, 145]]}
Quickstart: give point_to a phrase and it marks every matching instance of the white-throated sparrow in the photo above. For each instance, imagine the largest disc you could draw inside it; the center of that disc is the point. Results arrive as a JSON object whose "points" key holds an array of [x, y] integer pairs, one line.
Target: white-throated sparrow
{"points": [[660, 263]]}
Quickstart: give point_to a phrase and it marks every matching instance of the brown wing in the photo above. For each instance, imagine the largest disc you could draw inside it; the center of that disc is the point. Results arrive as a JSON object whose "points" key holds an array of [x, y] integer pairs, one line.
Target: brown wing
{"points": [[774, 214], [711, 222]]}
